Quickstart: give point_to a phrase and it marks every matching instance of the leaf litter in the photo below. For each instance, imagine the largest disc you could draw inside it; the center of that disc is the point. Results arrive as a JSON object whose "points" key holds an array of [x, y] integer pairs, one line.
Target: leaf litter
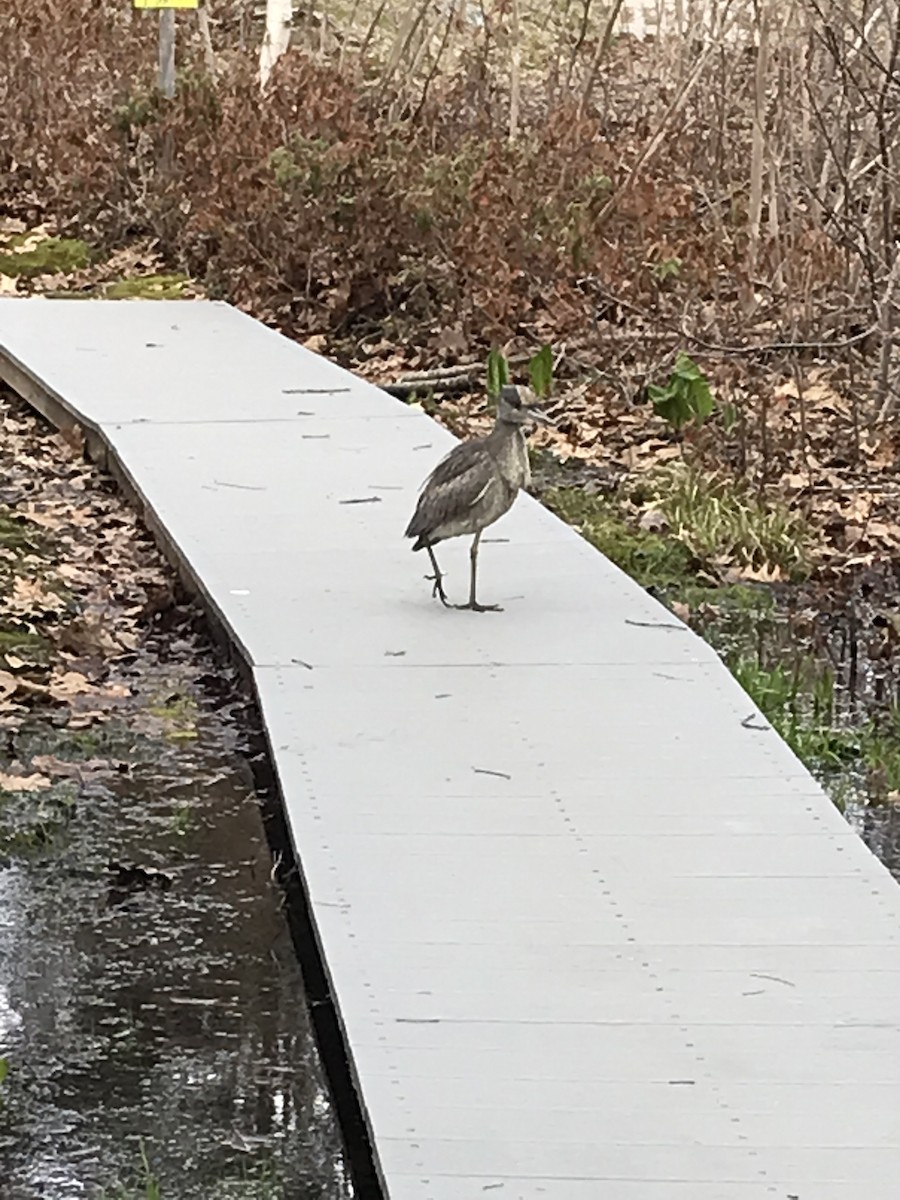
{"points": [[71, 607]]}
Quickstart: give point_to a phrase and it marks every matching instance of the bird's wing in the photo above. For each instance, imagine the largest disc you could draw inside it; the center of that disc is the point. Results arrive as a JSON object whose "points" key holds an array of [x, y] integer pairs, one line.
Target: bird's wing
{"points": [[456, 484], [456, 463]]}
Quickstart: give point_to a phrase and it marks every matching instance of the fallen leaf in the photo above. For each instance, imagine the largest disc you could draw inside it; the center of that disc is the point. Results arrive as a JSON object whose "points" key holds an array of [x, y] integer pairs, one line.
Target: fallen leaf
{"points": [[45, 520], [451, 341], [59, 767], [9, 684], [653, 521], [74, 438], [85, 719], [86, 635], [74, 574], [23, 783], [764, 574], [795, 482], [30, 598], [70, 683]]}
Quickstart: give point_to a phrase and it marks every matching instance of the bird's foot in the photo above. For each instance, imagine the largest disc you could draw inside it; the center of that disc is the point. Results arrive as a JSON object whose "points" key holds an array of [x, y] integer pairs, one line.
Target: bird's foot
{"points": [[474, 606], [438, 590]]}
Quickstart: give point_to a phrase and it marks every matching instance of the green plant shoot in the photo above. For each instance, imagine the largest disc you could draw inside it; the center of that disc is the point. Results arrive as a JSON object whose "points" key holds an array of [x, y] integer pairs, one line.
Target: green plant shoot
{"points": [[497, 372], [540, 372], [686, 397], [666, 268]]}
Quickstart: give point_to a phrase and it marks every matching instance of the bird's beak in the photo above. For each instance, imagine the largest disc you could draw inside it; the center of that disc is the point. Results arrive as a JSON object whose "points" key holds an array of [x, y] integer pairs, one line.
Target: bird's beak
{"points": [[538, 415]]}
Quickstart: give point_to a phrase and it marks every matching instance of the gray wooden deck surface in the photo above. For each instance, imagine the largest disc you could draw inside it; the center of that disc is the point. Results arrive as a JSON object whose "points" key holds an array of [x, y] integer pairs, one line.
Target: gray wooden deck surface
{"points": [[592, 934]]}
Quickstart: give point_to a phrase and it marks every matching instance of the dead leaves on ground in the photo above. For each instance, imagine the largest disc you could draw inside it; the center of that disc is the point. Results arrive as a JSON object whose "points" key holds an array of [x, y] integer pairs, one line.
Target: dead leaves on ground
{"points": [[77, 575], [32, 598], [14, 782], [806, 446]]}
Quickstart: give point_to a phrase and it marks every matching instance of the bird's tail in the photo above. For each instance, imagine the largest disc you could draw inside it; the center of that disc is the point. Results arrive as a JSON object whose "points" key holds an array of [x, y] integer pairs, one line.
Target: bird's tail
{"points": [[414, 530]]}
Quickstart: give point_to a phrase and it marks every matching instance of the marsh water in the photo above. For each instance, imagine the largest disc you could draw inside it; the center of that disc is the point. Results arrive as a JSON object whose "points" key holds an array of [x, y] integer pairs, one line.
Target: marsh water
{"points": [[151, 1008], [821, 661]]}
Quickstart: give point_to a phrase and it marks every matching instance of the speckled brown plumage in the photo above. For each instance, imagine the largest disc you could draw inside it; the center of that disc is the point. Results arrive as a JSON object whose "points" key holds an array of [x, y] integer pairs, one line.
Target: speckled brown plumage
{"points": [[475, 485]]}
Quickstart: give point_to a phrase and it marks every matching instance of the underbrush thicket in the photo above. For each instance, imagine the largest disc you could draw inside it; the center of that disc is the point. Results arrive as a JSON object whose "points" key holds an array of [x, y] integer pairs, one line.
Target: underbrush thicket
{"points": [[727, 192], [335, 204]]}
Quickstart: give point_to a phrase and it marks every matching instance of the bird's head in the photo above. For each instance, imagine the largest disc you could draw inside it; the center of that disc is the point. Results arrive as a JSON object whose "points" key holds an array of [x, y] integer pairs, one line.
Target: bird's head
{"points": [[518, 406]]}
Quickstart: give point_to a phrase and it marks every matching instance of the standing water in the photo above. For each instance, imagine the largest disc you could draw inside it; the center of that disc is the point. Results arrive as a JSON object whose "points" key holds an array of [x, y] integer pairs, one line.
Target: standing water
{"points": [[151, 1007]]}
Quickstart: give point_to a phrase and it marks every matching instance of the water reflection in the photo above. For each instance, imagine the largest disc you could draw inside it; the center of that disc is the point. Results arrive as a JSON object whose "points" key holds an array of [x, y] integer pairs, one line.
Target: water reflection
{"points": [[159, 1021], [880, 830]]}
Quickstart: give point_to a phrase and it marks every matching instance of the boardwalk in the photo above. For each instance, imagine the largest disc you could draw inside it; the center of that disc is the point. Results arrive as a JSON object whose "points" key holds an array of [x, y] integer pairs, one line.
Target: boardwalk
{"points": [[593, 932]]}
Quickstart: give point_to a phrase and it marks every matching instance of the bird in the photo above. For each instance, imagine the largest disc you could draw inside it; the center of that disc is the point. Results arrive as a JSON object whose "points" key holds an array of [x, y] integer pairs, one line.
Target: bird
{"points": [[474, 486]]}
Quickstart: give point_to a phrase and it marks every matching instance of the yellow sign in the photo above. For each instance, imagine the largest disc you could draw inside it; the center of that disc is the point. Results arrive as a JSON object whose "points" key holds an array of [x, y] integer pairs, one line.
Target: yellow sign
{"points": [[166, 3]]}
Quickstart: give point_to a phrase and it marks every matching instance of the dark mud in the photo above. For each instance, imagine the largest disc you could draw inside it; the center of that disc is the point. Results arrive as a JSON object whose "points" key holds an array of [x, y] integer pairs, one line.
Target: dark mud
{"points": [[152, 1012]]}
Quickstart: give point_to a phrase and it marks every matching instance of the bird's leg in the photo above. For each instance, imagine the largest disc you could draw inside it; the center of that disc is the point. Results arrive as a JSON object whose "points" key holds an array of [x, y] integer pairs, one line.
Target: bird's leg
{"points": [[473, 603], [438, 589]]}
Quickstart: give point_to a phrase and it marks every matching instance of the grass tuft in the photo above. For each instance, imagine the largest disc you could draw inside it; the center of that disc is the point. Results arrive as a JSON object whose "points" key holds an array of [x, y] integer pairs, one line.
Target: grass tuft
{"points": [[147, 287], [51, 256], [800, 701], [721, 523]]}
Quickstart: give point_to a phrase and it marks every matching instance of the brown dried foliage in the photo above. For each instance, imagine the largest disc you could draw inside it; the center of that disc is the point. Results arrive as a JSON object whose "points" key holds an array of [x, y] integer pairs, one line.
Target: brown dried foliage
{"points": [[318, 210]]}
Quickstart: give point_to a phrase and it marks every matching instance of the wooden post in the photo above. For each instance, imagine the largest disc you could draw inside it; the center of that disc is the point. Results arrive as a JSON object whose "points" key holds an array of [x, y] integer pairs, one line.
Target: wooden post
{"points": [[206, 38], [167, 52], [166, 39]]}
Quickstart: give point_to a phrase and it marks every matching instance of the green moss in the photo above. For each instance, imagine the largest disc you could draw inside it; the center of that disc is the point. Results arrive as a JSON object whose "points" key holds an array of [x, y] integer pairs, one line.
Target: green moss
{"points": [[49, 257], [82, 294], [134, 112], [183, 818], [18, 538], [147, 287], [756, 601], [177, 707], [78, 744], [652, 559], [178, 713], [16, 533], [28, 646], [112, 739]]}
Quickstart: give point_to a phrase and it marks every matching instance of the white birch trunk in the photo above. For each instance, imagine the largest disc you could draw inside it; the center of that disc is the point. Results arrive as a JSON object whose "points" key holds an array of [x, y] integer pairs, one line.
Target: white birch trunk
{"points": [[279, 14]]}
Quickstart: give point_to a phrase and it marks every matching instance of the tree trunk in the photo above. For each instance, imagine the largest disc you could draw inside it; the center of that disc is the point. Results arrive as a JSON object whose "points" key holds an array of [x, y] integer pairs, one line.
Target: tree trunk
{"points": [[279, 14]]}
